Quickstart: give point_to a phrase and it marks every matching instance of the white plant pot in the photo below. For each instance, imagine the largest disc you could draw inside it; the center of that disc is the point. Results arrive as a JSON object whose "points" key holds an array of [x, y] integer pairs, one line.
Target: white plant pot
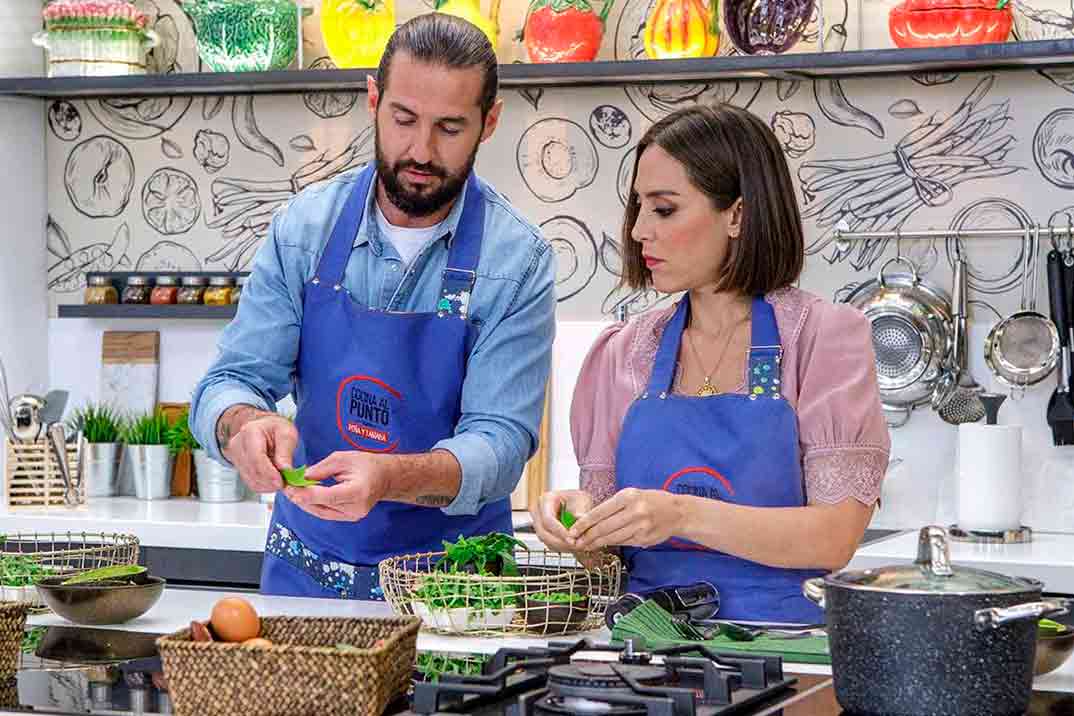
{"points": [[463, 618], [28, 595]]}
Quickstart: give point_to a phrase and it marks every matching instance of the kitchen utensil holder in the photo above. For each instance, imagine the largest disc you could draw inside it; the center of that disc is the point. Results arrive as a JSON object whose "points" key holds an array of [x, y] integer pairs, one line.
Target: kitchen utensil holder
{"points": [[483, 605], [312, 676], [32, 477]]}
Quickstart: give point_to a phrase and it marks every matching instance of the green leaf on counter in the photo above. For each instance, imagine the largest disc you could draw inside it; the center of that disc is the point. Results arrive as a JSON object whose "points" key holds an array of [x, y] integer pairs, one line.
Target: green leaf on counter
{"points": [[296, 477]]}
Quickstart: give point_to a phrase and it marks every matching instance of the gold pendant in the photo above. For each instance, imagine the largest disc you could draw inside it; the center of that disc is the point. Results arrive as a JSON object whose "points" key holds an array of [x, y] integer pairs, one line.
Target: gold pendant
{"points": [[706, 390]]}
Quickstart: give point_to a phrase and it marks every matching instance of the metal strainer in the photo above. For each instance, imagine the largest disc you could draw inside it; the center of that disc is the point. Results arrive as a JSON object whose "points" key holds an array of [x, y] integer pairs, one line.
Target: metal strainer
{"points": [[963, 403], [1023, 348]]}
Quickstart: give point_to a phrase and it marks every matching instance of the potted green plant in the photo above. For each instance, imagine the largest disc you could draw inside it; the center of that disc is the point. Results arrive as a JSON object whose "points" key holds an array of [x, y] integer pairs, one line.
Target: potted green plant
{"points": [[18, 574], [463, 592], [101, 427], [216, 482], [148, 456]]}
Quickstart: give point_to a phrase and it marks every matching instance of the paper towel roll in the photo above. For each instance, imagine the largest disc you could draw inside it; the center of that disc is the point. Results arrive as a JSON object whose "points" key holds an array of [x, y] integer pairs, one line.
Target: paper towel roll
{"points": [[989, 477]]}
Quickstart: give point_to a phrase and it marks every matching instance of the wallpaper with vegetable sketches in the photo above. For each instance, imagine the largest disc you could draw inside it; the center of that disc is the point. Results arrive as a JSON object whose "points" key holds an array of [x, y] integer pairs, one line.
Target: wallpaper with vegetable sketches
{"points": [[190, 183]]}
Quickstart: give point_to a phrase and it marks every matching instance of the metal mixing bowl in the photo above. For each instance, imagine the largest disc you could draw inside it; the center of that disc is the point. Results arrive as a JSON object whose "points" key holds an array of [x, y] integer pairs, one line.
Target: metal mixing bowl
{"points": [[100, 603]]}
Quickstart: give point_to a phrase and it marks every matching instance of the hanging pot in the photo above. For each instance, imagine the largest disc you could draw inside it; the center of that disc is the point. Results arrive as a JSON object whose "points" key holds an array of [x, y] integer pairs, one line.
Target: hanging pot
{"points": [[932, 638]]}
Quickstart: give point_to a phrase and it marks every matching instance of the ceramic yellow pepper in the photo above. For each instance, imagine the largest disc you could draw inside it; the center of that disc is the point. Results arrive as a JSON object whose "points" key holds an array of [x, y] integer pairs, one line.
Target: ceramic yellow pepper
{"points": [[356, 31], [682, 28], [471, 10]]}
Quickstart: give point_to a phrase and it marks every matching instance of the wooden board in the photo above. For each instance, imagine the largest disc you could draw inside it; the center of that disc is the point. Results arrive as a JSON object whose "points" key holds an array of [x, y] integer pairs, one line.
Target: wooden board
{"points": [[130, 367], [183, 473], [534, 480]]}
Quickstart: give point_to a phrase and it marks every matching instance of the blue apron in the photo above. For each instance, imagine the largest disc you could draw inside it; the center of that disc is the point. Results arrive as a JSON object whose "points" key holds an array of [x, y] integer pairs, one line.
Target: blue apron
{"points": [[378, 381], [741, 449]]}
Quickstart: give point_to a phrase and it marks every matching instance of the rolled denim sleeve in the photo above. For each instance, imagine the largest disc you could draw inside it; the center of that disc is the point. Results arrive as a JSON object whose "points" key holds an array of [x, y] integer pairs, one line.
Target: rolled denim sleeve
{"points": [[503, 393], [257, 352]]}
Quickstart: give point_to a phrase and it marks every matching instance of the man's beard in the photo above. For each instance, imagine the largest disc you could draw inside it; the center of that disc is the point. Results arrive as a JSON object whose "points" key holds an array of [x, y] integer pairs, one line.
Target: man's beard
{"points": [[421, 203]]}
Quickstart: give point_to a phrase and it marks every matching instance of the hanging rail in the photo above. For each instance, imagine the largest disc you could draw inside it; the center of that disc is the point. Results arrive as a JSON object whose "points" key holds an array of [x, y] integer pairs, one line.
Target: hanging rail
{"points": [[1044, 232]]}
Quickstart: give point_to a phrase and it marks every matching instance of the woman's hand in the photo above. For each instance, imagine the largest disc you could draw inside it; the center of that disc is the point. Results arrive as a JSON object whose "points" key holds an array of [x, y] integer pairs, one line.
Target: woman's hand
{"points": [[632, 518], [546, 522]]}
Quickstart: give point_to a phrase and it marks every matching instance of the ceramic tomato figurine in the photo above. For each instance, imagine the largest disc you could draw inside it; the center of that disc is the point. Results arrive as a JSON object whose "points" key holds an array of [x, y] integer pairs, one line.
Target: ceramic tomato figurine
{"points": [[564, 30], [941, 23]]}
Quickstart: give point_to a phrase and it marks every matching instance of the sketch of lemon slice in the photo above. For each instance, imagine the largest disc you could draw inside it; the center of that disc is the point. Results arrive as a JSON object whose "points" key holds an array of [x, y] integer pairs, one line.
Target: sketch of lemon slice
{"points": [[556, 158], [170, 201]]}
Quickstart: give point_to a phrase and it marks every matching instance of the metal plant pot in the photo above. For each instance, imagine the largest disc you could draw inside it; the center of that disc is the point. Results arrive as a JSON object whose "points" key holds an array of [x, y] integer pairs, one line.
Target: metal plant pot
{"points": [[100, 469], [217, 482], [151, 471], [932, 638]]}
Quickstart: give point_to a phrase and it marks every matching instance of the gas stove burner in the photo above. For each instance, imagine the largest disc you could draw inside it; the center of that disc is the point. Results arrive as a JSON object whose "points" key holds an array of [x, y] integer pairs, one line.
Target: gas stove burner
{"points": [[563, 679], [556, 706]]}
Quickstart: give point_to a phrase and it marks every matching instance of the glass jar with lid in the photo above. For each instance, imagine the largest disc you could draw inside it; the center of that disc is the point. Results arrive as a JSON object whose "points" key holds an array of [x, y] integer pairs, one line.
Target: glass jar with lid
{"points": [[240, 282], [192, 291], [219, 291], [165, 291], [137, 290], [99, 291]]}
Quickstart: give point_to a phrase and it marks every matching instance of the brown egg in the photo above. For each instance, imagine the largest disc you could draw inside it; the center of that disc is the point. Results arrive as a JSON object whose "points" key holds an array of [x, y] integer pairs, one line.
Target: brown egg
{"points": [[258, 642], [234, 619]]}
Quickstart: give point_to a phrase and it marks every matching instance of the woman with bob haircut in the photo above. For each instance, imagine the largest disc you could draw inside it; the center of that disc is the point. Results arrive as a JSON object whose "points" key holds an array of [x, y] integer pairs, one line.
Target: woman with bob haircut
{"points": [[736, 437]]}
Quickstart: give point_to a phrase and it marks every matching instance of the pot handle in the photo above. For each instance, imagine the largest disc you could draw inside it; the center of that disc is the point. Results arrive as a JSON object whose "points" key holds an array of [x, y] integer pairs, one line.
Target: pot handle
{"points": [[932, 551], [813, 590], [996, 617], [897, 260]]}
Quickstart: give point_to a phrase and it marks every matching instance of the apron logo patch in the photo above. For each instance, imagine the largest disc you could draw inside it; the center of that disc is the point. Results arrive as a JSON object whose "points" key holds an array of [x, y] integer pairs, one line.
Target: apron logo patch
{"points": [[367, 413], [699, 482]]}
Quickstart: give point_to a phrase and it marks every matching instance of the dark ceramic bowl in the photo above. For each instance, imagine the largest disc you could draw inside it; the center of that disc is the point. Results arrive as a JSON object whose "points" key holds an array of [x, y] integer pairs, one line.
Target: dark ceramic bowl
{"points": [[100, 603], [547, 617], [1053, 651]]}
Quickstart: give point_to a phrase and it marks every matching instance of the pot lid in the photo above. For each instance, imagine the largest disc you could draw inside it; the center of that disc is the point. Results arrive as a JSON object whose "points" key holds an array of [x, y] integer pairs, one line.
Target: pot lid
{"points": [[932, 572]]}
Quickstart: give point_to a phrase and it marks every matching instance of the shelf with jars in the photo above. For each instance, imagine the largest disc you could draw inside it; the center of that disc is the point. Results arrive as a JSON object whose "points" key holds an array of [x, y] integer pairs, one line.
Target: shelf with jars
{"points": [[124, 294]]}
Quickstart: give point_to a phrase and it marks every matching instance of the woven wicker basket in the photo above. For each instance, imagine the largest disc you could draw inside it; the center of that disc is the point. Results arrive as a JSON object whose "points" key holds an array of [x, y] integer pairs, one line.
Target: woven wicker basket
{"points": [[301, 673], [12, 623]]}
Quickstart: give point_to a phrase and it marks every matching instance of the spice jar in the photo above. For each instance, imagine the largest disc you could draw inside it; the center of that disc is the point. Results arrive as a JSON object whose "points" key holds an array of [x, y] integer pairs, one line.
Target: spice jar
{"points": [[192, 291], [239, 283], [137, 290], [165, 291], [219, 291], [99, 290]]}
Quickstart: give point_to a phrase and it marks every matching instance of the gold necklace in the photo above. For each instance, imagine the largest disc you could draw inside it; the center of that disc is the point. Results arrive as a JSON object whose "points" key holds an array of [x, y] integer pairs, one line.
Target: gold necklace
{"points": [[707, 389]]}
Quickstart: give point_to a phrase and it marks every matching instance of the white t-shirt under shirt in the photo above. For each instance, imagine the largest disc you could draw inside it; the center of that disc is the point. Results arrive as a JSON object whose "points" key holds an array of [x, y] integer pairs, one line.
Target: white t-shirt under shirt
{"points": [[408, 242]]}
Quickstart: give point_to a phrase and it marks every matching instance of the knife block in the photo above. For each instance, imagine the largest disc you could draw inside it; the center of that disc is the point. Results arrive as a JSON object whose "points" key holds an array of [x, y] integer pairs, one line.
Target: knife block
{"points": [[32, 478]]}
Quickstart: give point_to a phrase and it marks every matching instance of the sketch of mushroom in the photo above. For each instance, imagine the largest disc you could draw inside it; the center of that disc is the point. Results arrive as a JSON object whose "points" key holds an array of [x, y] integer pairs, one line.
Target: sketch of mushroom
{"points": [[556, 158], [1053, 148], [212, 150], [610, 126], [795, 131], [99, 177], [64, 120], [170, 201], [576, 254], [67, 272]]}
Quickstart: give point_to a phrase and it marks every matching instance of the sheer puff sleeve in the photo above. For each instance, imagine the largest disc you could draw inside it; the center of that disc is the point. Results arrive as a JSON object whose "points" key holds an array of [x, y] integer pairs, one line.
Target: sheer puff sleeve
{"points": [[844, 437]]}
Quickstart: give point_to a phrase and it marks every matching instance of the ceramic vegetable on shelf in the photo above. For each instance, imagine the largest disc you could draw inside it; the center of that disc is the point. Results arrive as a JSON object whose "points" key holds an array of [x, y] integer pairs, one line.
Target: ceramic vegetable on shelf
{"points": [[471, 10], [681, 28], [941, 23], [766, 27], [356, 32], [86, 38], [564, 30], [245, 35]]}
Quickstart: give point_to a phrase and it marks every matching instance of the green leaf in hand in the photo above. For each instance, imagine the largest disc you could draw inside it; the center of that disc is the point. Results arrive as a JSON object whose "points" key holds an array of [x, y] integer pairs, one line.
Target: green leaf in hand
{"points": [[296, 477], [566, 517]]}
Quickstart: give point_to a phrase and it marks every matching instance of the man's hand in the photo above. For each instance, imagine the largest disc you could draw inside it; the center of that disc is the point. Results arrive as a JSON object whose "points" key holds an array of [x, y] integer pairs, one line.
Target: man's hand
{"points": [[258, 443], [362, 481]]}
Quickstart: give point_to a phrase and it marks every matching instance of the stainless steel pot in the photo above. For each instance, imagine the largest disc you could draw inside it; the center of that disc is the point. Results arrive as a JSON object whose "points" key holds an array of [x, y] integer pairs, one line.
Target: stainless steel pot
{"points": [[217, 482], [912, 335], [100, 469], [151, 470], [931, 638]]}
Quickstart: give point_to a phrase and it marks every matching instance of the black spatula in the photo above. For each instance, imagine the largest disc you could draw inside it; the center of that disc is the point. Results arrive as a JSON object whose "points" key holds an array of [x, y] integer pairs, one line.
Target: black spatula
{"points": [[1060, 407]]}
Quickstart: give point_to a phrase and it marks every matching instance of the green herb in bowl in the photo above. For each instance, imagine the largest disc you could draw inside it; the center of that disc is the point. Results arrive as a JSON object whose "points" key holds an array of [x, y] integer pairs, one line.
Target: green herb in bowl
{"points": [[1047, 627], [20, 571], [556, 597]]}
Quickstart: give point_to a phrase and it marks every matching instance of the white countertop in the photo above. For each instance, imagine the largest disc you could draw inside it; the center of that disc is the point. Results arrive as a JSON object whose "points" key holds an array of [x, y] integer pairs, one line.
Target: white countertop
{"points": [[177, 607], [1049, 557], [177, 522]]}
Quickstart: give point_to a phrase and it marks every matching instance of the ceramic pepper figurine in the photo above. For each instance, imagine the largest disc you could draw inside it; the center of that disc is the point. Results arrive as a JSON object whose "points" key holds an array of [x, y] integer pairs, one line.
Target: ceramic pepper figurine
{"points": [[682, 28]]}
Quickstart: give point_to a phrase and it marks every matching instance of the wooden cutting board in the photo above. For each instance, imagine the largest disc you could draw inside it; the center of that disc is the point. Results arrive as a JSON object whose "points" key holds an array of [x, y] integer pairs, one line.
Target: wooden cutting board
{"points": [[130, 367], [534, 480]]}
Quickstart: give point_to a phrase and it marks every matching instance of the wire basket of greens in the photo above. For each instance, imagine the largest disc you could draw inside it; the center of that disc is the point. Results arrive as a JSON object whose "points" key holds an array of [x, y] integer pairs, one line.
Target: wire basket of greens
{"points": [[493, 585], [27, 557]]}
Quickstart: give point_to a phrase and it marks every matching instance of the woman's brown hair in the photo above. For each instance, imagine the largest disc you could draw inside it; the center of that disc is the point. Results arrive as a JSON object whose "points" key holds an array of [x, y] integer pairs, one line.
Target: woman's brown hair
{"points": [[729, 153]]}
